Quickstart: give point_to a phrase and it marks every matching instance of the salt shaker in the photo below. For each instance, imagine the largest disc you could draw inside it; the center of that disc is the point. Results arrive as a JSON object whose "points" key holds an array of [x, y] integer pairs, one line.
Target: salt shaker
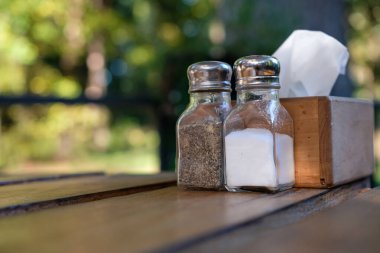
{"points": [[259, 130], [200, 150]]}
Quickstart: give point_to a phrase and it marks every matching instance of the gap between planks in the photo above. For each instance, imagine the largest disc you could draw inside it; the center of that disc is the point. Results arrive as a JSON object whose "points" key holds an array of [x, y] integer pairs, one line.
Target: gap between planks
{"points": [[236, 238], [8, 179], [35, 196], [350, 227], [165, 219]]}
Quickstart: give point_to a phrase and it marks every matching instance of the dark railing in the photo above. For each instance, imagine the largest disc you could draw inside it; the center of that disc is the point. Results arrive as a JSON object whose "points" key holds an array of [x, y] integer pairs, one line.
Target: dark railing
{"points": [[110, 101]]}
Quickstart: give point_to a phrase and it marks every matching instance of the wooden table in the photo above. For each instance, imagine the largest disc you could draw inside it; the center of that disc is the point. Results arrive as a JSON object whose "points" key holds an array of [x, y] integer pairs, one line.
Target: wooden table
{"points": [[124, 213]]}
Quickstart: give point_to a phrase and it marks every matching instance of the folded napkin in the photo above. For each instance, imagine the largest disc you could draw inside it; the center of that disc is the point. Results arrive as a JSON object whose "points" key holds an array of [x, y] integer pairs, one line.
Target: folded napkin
{"points": [[310, 63]]}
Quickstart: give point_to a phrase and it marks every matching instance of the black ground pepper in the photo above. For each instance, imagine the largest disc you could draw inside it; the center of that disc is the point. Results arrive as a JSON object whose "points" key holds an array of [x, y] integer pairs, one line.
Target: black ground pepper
{"points": [[202, 160]]}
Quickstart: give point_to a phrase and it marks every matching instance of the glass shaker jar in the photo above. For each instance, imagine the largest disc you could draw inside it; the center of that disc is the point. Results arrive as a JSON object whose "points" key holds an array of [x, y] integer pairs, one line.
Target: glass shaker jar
{"points": [[259, 130], [200, 150]]}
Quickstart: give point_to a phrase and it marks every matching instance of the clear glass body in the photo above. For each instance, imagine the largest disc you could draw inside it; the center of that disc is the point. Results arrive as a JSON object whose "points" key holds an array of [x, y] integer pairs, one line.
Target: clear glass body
{"points": [[259, 143], [200, 154]]}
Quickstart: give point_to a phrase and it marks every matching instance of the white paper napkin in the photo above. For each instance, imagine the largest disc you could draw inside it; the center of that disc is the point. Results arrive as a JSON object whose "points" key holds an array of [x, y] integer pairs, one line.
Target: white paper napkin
{"points": [[310, 63]]}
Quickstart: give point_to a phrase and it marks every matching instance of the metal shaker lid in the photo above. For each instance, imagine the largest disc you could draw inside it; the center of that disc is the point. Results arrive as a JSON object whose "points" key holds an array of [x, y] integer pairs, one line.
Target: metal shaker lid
{"points": [[209, 75], [257, 71]]}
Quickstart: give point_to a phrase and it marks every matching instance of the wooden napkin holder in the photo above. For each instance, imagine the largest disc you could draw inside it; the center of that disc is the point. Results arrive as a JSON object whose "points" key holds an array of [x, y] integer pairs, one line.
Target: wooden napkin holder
{"points": [[333, 139]]}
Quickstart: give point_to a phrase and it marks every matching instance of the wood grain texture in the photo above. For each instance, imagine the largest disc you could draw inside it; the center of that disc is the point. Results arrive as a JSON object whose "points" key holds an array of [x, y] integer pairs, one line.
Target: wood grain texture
{"points": [[39, 195], [350, 227], [305, 114], [141, 222], [352, 134], [10, 179], [325, 141], [242, 238], [333, 139]]}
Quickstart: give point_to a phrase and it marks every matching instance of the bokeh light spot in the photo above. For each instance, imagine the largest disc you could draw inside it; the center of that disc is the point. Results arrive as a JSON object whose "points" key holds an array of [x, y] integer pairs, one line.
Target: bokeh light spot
{"points": [[217, 33], [170, 33], [140, 55], [358, 20]]}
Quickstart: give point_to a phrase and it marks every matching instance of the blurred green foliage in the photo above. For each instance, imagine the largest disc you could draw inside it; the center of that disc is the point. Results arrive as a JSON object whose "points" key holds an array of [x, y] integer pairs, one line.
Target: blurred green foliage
{"points": [[45, 49], [43, 132], [364, 41], [44, 44], [136, 48]]}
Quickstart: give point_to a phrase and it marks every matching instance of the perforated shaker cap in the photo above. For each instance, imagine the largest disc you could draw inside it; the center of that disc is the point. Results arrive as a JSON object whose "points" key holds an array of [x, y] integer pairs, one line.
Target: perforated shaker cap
{"points": [[209, 76], [257, 71]]}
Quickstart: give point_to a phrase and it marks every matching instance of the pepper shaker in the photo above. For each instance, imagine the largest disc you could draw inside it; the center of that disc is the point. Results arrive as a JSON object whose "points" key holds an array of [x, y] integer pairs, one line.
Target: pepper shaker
{"points": [[200, 150]]}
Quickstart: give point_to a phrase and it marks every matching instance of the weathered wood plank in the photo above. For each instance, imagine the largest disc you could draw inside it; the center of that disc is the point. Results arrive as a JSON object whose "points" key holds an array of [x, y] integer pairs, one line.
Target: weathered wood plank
{"points": [[8, 179], [351, 227], [38, 195], [244, 237], [141, 222]]}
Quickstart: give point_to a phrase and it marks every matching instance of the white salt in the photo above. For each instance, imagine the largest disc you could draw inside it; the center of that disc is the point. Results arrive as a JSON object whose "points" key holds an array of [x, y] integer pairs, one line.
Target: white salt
{"points": [[250, 158], [285, 158]]}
